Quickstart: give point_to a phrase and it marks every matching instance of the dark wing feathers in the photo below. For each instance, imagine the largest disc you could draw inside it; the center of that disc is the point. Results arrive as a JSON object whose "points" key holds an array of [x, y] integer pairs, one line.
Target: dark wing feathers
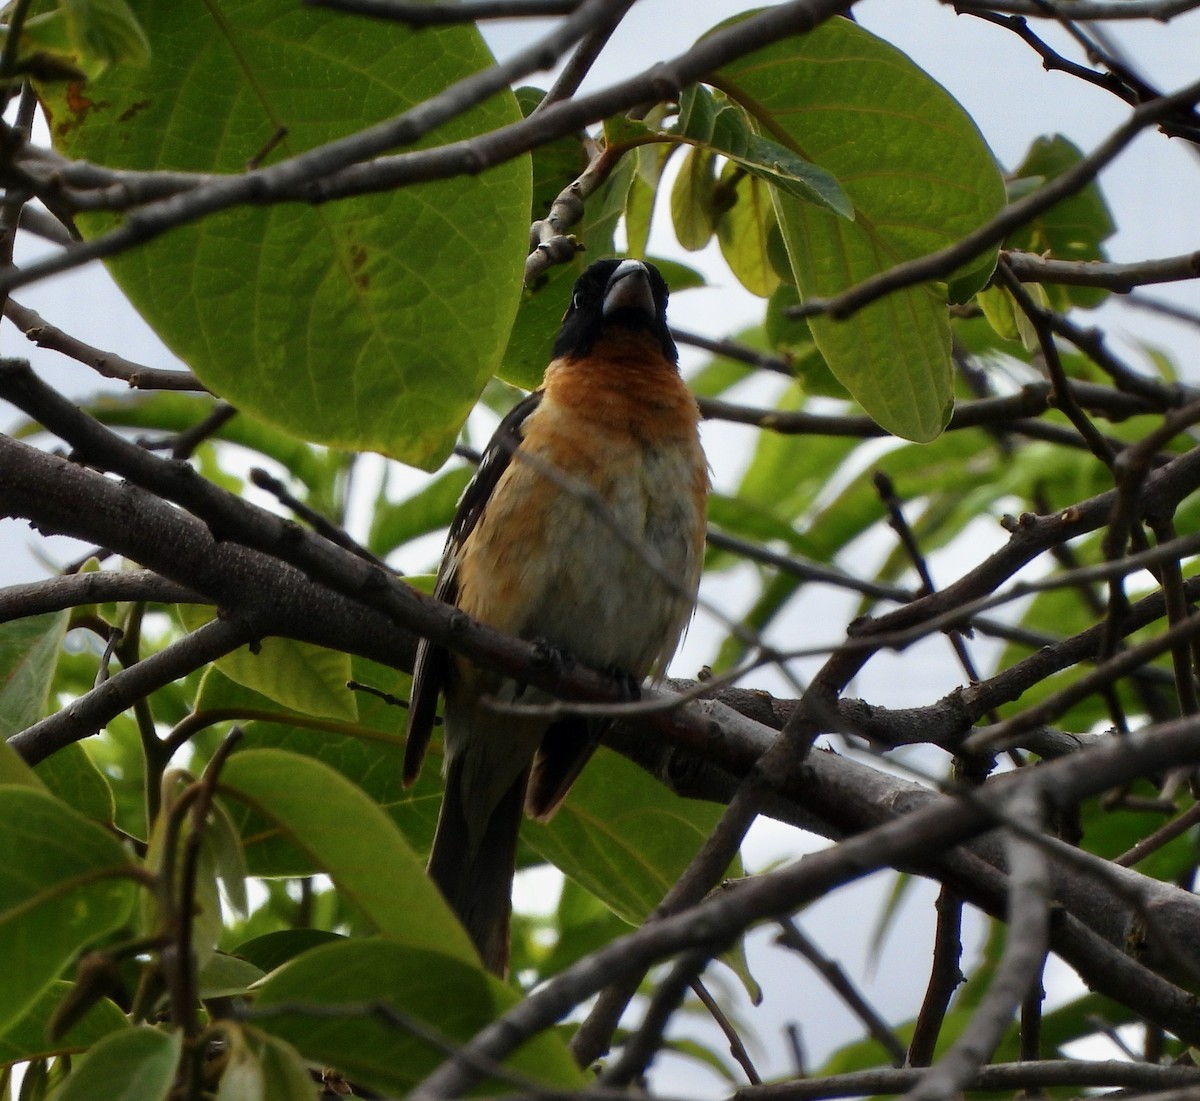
{"points": [[567, 746], [433, 662]]}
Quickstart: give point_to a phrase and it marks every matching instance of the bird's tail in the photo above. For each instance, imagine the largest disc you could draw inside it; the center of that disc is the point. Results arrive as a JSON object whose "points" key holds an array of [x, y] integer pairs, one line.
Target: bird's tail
{"points": [[473, 867]]}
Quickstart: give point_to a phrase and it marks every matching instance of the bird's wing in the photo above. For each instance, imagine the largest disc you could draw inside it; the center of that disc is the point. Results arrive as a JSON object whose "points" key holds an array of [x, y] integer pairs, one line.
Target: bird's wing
{"points": [[432, 662]]}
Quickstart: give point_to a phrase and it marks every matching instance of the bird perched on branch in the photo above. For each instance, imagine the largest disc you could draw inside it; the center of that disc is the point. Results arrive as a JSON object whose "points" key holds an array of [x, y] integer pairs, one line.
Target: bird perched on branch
{"points": [[583, 529]]}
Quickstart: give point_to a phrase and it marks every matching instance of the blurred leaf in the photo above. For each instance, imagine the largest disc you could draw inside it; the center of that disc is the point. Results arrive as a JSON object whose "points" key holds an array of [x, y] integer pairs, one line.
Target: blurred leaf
{"points": [[273, 950], [746, 226], [793, 337], [26, 1038], [29, 650], [1072, 229], [135, 1064], [639, 210], [692, 200], [170, 413], [285, 1077], [366, 335], [440, 991], [56, 892], [580, 924], [432, 507], [225, 976], [13, 770], [104, 32], [70, 774]]}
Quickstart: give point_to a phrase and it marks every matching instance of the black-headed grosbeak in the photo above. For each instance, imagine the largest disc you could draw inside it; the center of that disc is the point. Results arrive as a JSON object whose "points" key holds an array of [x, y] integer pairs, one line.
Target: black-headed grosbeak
{"points": [[530, 554]]}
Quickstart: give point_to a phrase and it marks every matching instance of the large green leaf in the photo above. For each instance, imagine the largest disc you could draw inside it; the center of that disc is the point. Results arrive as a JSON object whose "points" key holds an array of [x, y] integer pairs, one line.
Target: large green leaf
{"points": [[369, 753], [351, 323], [135, 1064], [919, 175], [436, 989], [352, 840], [60, 889]]}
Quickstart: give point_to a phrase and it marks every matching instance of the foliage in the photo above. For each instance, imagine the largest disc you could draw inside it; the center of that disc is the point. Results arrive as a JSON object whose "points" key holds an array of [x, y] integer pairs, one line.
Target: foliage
{"points": [[212, 881]]}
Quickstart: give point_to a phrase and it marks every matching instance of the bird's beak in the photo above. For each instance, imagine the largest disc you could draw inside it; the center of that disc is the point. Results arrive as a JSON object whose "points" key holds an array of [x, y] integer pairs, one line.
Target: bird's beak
{"points": [[629, 290]]}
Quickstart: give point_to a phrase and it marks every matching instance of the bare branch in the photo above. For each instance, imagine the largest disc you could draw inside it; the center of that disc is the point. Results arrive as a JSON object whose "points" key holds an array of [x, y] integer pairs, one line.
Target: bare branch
{"points": [[1121, 278], [72, 590], [108, 364], [437, 15], [1019, 967], [1047, 1074]]}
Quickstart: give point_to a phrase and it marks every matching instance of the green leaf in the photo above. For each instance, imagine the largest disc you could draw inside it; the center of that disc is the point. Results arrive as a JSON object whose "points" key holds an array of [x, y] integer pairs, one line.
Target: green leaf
{"points": [[104, 32], [793, 337], [394, 523], [285, 1077], [272, 950], [71, 774], [692, 199], [13, 770], [225, 976], [367, 331], [56, 893], [136, 1064], [440, 991], [306, 678], [1073, 229], [371, 863], [26, 1038], [746, 225], [170, 412], [623, 836], [725, 128], [369, 753], [263, 1068], [920, 176], [29, 650]]}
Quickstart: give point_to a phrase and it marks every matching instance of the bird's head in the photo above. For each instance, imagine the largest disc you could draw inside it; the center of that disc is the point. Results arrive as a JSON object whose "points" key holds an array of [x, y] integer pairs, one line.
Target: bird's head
{"points": [[612, 295]]}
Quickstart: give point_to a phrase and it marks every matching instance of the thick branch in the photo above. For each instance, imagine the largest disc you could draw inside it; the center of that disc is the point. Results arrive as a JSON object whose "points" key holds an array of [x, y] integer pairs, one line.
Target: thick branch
{"points": [[1122, 278]]}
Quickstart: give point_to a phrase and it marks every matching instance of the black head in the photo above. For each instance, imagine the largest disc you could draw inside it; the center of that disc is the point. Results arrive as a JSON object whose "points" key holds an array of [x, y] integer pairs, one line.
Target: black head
{"points": [[627, 293]]}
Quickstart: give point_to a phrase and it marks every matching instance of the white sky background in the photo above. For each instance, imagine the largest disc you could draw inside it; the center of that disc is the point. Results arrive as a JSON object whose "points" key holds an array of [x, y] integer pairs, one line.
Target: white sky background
{"points": [[1152, 191]]}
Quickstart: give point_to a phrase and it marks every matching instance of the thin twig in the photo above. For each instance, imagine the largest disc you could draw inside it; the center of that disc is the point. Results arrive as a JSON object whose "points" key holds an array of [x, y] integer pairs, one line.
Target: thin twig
{"points": [[791, 936]]}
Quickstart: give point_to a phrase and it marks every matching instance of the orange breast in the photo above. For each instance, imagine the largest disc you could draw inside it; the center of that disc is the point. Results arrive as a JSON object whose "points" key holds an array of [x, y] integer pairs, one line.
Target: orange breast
{"points": [[610, 478]]}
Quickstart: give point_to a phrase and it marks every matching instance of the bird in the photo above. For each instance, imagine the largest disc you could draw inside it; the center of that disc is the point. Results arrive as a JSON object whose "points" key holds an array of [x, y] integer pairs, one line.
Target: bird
{"points": [[583, 531]]}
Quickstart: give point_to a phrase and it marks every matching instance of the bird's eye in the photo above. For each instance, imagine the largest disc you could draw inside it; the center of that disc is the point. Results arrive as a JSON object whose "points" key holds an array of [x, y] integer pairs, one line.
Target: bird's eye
{"points": [[576, 301]]}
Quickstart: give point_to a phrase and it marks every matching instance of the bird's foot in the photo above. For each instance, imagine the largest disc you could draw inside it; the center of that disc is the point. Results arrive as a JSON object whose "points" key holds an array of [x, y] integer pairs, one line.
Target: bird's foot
{"points": [[628, 686]]}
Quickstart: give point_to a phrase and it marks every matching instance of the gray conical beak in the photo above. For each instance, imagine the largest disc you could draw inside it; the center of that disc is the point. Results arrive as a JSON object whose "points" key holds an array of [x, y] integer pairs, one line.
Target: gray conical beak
{"points": [[629, 289]]}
